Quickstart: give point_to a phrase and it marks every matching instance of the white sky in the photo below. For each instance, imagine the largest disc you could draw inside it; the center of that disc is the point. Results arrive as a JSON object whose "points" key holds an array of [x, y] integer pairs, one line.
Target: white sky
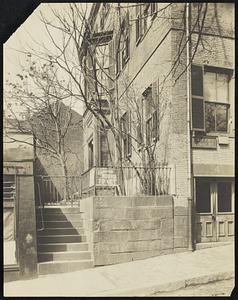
{"points": [[29, 33]]}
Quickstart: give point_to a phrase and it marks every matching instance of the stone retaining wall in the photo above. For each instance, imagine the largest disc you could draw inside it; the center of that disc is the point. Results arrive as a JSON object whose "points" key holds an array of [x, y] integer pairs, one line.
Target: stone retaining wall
{"points": [[121, 229]]}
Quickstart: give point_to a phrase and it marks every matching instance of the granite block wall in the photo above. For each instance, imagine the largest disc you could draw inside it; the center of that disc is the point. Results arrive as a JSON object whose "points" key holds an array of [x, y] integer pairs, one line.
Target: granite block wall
{"points": [[122, 229]]}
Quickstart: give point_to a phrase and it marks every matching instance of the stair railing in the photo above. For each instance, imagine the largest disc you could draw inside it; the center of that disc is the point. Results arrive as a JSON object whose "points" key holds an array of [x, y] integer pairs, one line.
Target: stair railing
{"points": [[41, 209]]}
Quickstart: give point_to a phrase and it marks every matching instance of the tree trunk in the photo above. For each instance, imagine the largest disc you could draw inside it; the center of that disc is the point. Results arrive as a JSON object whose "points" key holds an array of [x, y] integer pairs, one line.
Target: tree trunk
{"points": [[65, 180]]}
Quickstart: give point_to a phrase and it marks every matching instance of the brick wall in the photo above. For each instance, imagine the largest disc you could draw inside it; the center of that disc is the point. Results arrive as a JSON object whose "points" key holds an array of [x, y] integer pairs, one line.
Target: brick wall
{"points": [[122, 229]]}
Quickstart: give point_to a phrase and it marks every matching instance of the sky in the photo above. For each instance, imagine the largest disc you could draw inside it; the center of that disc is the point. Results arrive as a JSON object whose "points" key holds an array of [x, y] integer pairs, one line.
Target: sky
{"points": [[31, 32]]}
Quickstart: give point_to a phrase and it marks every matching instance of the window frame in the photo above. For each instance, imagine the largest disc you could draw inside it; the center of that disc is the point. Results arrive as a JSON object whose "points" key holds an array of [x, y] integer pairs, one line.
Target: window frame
{"points": [[138, 23], [125, 43], [216, 70], [90, 154], [125, 121]]}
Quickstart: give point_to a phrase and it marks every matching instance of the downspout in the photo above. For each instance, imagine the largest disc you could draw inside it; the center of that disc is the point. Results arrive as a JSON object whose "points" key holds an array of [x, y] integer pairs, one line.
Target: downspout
{"points": [[189, 168]]}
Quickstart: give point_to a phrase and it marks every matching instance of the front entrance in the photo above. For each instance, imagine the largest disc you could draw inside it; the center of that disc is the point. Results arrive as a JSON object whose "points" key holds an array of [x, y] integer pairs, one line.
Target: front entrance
{"points": [[214, 203]]}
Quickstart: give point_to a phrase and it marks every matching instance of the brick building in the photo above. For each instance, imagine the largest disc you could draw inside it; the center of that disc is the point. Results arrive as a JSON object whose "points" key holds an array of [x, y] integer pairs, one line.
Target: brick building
{"points": [[165, 76]]}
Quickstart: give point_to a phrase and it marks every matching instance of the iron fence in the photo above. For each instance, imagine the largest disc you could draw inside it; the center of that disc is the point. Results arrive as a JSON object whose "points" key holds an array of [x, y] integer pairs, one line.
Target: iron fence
{"points": [[50, 189], [126, 180]]}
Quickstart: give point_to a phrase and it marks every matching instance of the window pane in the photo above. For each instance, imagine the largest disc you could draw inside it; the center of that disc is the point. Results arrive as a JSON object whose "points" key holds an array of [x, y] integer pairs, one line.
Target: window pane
{"points": [[224, 196], [197, 81], [197, 113], [210, 86], [203, 200], [221, 118], [222, 88], [210, 116]]}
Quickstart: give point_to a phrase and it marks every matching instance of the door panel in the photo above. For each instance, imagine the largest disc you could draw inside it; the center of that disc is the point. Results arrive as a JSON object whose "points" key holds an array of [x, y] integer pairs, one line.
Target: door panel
{"points": [[225, 225]]}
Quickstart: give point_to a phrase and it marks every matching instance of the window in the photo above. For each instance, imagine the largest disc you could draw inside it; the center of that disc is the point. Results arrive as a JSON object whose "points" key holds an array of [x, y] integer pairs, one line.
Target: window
{"points": [[90, 155], [145, 13], [224, 197], [216, 88], [125, 50], [149, 131], [210, 98], [125, 41], [145, 19], [203, 198], [104, 148], [126, 134], [152, 128], [102, 68], [151, 97], [138, 22], [139, 135]]}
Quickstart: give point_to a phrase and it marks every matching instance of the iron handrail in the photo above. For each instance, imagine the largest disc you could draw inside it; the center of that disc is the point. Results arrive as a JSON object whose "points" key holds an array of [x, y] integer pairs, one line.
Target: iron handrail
{"points": [[42, 219]]}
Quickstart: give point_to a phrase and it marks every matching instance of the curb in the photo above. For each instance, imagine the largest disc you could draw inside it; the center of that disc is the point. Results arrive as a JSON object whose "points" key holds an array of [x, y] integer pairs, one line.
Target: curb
{"points": [[168, 287]]}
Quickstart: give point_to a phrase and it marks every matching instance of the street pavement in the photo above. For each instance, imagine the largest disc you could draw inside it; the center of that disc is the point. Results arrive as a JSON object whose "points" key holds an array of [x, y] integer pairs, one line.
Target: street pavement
{"points": [[213, 289], [137, 278]]}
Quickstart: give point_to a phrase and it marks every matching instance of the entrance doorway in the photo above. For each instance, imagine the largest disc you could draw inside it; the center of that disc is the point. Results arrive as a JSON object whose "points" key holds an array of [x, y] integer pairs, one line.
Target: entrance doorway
{"points": [[214, 203]]}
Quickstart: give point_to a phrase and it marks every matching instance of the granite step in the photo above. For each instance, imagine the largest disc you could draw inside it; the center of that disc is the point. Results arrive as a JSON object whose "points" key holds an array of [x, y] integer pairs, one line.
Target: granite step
{"points": [[61, 224], [67, 255], [59, 247], [62, 210], [62, 217], [51, 239], [55, 267], [61, 231]]}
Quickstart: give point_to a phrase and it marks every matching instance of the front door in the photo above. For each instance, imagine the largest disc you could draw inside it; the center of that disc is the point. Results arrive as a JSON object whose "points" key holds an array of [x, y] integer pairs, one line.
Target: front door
{"points": [[214, 209]]}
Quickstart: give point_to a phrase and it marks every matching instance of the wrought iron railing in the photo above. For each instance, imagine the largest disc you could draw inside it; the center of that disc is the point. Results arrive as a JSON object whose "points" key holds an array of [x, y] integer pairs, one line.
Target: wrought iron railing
{"points": [[127, 180], [51, 189]]}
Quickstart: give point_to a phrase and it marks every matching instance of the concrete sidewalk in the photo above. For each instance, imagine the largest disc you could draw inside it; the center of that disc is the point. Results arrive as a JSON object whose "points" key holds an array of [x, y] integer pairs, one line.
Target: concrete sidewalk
{"points": [[137, 278]]}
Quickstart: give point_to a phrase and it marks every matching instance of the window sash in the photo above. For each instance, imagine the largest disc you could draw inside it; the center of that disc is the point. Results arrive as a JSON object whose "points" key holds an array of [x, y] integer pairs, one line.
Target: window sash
{"points": [[213, 114], [208, 92]]}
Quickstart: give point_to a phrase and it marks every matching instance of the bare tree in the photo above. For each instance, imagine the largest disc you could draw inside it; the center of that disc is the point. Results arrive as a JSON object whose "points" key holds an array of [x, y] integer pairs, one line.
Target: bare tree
{"points": [[90, 68], [40, 94]]}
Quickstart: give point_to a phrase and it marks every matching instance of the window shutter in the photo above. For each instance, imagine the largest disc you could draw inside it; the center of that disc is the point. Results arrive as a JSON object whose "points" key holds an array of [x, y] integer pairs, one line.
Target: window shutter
{"points": [[198, 116], [155, 93], [138, 21], [198, 109], [155, 125], [89, 74], [117, 52], [129, 140], [111, 63], [197, 81], [139, 135]]}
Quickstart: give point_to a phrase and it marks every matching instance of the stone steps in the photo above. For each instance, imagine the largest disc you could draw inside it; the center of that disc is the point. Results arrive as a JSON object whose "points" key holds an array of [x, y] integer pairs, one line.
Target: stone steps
{"points": [[61, 217], [61, 224], [62, 246], [63, 256], [61, 239], [58, 247], [61, 231]]}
